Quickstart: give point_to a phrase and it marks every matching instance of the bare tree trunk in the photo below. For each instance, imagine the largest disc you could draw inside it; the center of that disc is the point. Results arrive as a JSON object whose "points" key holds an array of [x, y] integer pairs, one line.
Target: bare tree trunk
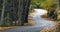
{"points": [[2, 14], [27, 11], [15, 4], [20, 10], [0, 8], [23, 11], [11, 12]]}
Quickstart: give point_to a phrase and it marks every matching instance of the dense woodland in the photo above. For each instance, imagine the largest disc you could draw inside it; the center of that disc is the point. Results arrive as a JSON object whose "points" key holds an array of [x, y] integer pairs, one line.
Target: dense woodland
{"points": [[15, 12]]}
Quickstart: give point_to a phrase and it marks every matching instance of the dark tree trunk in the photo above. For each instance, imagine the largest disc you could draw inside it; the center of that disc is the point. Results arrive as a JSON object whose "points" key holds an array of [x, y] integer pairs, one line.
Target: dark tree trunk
{"points": [[15, 10], [11, 16], [26, 11], [0, 8], [23, 11]]}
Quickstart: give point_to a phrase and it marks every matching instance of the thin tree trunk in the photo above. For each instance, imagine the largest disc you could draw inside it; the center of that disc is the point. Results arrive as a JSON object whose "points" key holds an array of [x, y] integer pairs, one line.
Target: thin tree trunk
{"points": [[11, 12], [26, 11], [2, 14], [23, 11], [20, 10], [15, 4]]}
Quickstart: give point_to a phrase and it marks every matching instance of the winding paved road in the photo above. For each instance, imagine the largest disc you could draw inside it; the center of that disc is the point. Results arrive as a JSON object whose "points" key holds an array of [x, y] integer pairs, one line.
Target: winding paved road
{"points": [[40, 23]]}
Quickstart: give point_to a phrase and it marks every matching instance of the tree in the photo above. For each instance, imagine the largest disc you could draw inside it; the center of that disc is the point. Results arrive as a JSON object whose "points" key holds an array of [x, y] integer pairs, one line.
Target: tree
{"points": [[2, 14], [23, 11], [25, 15], [20, 9], [0, 8]]}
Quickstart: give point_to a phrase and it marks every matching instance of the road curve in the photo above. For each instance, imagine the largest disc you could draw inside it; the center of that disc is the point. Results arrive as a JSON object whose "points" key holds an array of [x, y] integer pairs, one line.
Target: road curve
{"points": [[40, 23]]}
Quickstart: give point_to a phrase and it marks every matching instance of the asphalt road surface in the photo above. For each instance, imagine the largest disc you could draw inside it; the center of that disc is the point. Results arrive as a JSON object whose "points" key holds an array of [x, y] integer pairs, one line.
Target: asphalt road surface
{"points": [[40, 23]]}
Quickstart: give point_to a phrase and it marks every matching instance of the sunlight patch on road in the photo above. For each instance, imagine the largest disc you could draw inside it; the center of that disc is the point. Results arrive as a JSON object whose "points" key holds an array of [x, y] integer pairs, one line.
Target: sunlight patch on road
{"points": [[40, 11]]}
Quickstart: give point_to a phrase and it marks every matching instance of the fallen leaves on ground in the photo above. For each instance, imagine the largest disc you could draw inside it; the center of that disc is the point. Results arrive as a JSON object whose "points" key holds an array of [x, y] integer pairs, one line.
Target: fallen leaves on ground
{"points": [[4, 28]]}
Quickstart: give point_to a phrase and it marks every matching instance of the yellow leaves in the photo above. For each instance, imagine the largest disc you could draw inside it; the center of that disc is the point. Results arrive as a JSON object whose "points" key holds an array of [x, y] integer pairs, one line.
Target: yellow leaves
{"points": [[44, 3], [33, 0], [47, 3]]}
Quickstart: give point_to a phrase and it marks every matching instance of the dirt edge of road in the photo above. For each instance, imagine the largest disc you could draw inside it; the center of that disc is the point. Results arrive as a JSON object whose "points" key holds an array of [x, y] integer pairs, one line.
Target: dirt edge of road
{"points": [[5, 28]]}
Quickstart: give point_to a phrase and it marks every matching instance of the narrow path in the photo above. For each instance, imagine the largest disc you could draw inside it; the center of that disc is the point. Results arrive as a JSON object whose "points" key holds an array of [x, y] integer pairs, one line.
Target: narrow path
{"points": [[40, 23]]}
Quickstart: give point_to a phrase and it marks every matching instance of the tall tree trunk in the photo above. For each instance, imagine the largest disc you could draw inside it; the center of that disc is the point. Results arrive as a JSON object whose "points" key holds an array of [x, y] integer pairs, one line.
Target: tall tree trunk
{"points": [[11, 16], [15, 10], [0, 8], [26, 11], [2, 14], [23, 11], [20, 10]]}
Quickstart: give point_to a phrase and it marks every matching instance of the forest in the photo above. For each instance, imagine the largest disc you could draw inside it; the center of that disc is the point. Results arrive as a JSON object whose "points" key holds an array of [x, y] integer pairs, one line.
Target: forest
{"points": [[13, 12], [16, 11]]}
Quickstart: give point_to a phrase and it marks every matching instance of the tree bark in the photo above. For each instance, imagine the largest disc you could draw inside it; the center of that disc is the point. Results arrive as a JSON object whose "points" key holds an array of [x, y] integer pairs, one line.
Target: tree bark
{"points": [[2, 14], [20, 10], [15, 10], [26, 11]]}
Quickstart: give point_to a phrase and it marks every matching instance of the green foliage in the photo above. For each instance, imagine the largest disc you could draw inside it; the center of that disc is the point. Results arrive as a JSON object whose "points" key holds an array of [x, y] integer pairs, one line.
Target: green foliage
{"points": [[43, 3]]}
